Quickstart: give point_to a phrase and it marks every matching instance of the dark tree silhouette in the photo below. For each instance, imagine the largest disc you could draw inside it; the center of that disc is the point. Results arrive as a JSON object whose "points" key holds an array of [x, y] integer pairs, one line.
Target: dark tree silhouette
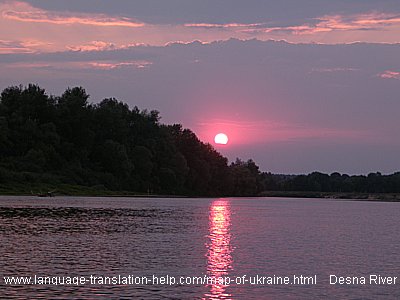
{"points": [[54, 140]]}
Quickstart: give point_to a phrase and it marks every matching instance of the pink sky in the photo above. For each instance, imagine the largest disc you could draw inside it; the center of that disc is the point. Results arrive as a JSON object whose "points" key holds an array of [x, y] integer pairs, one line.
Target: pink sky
{"points": [[287, 85], [37, 29]]}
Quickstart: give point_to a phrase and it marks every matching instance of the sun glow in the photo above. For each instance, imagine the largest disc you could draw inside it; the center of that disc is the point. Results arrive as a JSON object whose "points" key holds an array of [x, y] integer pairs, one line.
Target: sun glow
{"points": [[221, 138]]}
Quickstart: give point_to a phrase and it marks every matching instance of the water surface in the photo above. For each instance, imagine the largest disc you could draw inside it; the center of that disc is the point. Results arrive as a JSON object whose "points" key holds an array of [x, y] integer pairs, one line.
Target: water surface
{"points": [[72, 236]]}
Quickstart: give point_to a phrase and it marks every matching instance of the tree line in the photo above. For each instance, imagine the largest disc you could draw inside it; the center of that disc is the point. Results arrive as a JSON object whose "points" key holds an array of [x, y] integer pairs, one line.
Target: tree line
{"points": [[68, 140], [65, 139], [335, 182]]}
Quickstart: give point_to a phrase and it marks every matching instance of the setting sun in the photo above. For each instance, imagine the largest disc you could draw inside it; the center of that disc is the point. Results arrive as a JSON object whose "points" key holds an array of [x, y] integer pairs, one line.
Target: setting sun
{"points": [[221, 138]]}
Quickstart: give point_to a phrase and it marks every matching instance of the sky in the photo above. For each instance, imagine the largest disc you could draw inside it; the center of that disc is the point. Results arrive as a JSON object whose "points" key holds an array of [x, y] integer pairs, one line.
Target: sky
{"points": [[297, 85]]}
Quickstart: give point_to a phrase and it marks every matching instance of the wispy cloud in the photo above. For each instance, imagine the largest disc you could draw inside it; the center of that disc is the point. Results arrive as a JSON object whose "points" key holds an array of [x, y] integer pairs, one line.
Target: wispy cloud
{"points": [[80, 65], [93, 46], [390, 75], [24, 12], [17, 46], [101, 46], [328, 23], [227, 25], [140, 64], [331, 70], [7, 46], [370, 21]]}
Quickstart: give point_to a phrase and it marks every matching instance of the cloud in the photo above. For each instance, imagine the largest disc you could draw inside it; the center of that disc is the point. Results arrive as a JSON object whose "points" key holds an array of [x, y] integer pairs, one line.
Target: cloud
{"points": [[24, 12], [329, 23], [335, 69], [227, 25], [55, 27], [20, 46], [101, 46], [94, 46], [326, 23], [254, 28], [390, 75], [81, 65], [370, 21], [13, 47], [140, 64]]}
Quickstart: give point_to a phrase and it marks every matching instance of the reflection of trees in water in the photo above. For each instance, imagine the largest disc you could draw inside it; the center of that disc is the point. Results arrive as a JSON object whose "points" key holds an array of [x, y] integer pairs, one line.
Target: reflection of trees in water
{"points": [[219, 249]]}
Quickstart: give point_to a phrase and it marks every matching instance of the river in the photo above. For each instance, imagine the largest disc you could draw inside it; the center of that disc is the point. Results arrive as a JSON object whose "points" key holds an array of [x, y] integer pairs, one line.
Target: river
{"points": [[214, 248]]}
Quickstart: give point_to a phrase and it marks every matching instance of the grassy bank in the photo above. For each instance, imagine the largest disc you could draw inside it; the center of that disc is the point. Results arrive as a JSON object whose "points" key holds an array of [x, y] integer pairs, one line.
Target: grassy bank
{"points": [[78, 190], [59, 189], [18, 189]]}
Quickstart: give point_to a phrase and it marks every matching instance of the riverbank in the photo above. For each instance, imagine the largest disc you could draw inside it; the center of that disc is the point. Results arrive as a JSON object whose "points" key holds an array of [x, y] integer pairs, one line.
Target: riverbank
{"points": [[19, 189], [388, 197]]}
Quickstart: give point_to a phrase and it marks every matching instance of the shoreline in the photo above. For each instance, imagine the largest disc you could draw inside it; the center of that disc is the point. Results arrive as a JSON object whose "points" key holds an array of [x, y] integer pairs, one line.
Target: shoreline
{"points": [[82, 191], [379, 197]]}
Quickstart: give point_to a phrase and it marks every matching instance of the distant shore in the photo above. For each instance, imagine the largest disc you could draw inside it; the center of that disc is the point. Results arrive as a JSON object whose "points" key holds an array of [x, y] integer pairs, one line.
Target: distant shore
{"points": [[386, 197]]}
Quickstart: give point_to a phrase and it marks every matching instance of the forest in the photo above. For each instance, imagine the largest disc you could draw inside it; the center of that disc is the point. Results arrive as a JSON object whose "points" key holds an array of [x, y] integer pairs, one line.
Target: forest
{"points": [[48, 140], [67, 140]]}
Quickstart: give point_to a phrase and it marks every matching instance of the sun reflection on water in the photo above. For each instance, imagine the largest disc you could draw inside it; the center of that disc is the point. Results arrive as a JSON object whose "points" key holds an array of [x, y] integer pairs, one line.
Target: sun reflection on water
{"points": [[219, 249]]}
